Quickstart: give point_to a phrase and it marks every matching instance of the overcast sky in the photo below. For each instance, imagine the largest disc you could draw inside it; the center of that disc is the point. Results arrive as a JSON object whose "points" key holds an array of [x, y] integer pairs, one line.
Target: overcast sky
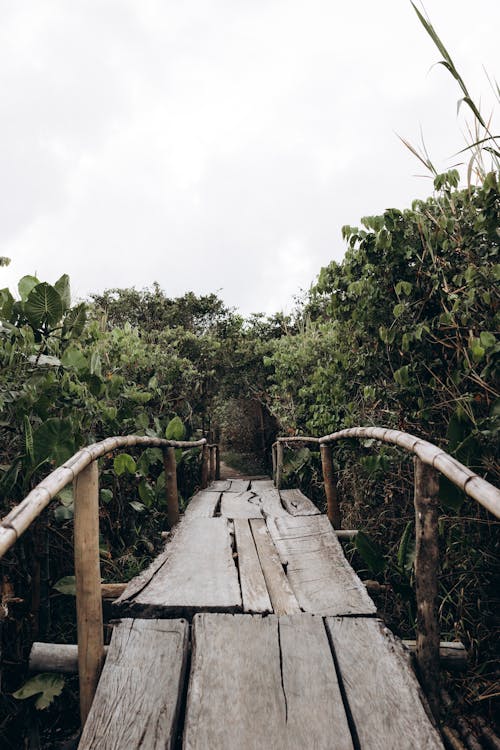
{"points": [[219, 145]]}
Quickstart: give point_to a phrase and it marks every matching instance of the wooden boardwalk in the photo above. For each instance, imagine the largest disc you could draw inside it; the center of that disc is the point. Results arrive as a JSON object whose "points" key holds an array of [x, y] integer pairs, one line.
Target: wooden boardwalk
{"points": [[252, 631]]}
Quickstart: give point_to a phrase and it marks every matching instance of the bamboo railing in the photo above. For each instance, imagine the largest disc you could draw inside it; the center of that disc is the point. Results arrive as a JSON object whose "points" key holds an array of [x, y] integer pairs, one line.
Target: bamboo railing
{"points": [[82, 469], [429, 461]]}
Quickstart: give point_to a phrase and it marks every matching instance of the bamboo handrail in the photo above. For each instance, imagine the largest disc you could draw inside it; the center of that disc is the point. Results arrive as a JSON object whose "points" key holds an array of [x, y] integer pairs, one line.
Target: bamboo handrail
{"points": [[20, 517], [429, 460]]}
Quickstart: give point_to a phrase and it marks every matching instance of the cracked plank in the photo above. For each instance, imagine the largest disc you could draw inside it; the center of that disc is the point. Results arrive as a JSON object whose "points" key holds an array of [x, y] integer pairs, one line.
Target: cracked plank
{"points": [[240, 505], [298, 504], [384, 696], [253, 586], [239, 485], [137, 700], [198, 573], [282, 597], [219, 485], [263, 682], [321, 578], [270, 502], [203, 504]]}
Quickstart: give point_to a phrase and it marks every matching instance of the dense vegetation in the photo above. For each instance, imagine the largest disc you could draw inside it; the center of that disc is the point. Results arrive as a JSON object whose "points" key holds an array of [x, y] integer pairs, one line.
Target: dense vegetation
{"points": [[402, 333]]}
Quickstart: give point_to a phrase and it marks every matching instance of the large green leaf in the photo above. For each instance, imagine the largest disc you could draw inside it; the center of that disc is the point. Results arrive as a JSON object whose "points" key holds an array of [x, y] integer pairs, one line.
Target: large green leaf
{"points": [[46, 685], [66, 585], [43, 306], [54, 440], [75, 358], [175, 429], [124, 463], [74, 321], [25, 286], [6, 303], [63, 287]]}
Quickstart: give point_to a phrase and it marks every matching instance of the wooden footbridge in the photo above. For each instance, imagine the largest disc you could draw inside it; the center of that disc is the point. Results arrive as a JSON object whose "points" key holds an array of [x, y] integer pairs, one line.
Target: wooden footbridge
{"points": [[251, 630]]}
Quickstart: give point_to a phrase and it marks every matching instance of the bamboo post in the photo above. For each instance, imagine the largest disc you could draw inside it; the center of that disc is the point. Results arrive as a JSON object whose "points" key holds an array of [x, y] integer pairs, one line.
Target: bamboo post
{"points": [[212, 463], [279, 463], [426, 575], [332, 503], [273, 456], [204, 466], [88, 585], [170, 465], [217, 462]]}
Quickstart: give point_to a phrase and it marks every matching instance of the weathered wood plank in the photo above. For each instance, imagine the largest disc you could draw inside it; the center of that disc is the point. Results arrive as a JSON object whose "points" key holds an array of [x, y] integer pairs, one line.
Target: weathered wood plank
{"points": [[239, 485], [282, 597], [270, 503], [203, 504], [198, 573], [253, 585], [240, 505], [298, 504], [219, 485], [320, 576], [383, 693], [138, 696], [263, 683], [259, 485]]}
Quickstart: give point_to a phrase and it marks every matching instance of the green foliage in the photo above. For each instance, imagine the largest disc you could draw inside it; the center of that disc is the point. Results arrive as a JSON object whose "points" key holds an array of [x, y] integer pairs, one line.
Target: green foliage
{"points": [[46, 686]]}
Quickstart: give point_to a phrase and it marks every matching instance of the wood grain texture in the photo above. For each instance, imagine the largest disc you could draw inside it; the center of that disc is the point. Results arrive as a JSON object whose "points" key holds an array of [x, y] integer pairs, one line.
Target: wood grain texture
{"points": [[258, 485], [270, 503], [240, 505], [198, 573], [203, 504], [282, 597], [263, 683], [252, 582], [383, 693], [220, 485], [321, 578], [138, 696], [298, 504], [239, 485]]}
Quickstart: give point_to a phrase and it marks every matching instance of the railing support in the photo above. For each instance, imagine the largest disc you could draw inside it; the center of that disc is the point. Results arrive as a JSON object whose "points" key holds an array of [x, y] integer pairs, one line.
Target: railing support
{"points": [[426, 575], [332, 503], [217, 462], [212, 463], [273, 456], [204, 466], [279, 463], [88, 585], [170, 465]]}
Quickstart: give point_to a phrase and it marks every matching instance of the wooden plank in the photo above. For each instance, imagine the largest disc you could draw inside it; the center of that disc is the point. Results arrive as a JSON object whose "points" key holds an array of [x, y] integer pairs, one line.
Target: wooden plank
{"points": [[240, 505], [220, 485], [253, 586], [198, 573], [263, 683], [320, 576], [139, 693], [384, 696], [203, 504], [270, 503], [239, 485], [282, 597], [298, 504], [258, 485]]}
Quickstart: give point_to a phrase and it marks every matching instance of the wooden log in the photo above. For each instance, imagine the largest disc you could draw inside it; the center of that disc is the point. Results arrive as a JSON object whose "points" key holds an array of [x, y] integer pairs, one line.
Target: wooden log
{"points": [[140, 692], [426, 576], [279, 464], [212, 463], [332, 503], [217, 462], [452, 654], [112, 590], [280, 592], [263, 682], [170, 465], [204, 467], [346, 533], [88, 585], [385, 699], [253, 585], [55, 657], [273, 458], [320, 576]]}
